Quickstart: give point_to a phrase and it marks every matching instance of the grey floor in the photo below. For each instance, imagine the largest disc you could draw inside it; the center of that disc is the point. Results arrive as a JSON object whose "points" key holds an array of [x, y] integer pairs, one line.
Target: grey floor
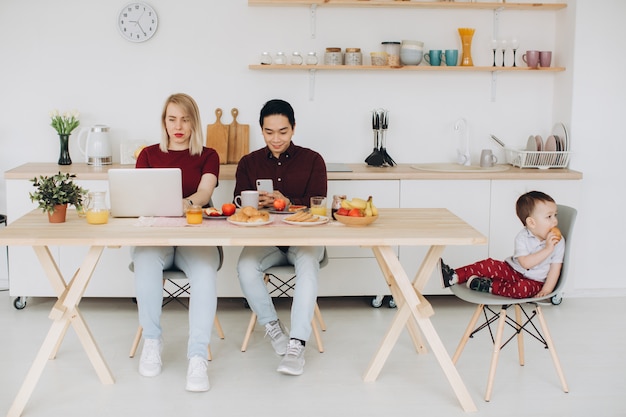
{"points": [[588, 332]]}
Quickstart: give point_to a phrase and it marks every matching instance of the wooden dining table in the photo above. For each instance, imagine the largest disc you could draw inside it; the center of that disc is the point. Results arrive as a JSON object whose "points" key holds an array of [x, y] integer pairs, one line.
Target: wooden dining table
{"points": [[434, 228]]}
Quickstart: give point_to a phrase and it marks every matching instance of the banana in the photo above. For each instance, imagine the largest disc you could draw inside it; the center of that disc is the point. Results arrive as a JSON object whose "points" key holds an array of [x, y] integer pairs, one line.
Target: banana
{"points": [[368, 208], [358, 203], [346, 204], [373, 208]]}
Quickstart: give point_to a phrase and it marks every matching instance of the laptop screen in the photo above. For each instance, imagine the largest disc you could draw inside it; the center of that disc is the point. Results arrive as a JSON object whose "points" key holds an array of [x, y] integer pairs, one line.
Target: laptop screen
{"points": [[136, 192]]}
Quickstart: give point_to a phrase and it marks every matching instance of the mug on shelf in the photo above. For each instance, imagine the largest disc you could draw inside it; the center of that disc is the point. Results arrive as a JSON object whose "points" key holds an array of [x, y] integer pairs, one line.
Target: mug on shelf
{"points": [[531, 58], [433, 57], [545, 59], [451, 57]]}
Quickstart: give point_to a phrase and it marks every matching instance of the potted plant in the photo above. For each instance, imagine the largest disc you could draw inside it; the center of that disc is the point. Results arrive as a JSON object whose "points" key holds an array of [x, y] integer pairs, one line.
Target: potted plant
{"points": [[54, 193]]}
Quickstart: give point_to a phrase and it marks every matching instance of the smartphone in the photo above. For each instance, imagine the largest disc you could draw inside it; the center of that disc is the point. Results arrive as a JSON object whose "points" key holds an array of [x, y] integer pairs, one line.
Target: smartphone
{"points": [[265, 185]]}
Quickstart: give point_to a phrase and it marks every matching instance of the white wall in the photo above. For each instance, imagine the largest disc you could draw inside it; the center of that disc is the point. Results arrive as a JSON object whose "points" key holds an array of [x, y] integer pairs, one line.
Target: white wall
{"points": [[68, 54]]}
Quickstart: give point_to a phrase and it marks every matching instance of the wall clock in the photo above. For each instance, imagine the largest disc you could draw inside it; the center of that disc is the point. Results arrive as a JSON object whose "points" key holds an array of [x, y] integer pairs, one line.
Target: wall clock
{"points": [[137, 22]]}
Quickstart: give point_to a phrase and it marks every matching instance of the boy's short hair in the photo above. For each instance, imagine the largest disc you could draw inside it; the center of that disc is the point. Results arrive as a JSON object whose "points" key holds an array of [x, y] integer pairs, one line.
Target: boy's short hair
{"points": [[526, 204], [280, 107]]}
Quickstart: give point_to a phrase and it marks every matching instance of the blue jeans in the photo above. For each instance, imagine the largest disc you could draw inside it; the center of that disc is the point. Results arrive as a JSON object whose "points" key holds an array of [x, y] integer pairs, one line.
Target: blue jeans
{"points": [[306, 260], [199, 263]]}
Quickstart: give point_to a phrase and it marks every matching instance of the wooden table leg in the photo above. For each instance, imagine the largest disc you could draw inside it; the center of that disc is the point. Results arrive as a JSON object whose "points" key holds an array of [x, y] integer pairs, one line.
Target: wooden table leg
{"points": [[415, 306], [64, 312], [414, 332]]}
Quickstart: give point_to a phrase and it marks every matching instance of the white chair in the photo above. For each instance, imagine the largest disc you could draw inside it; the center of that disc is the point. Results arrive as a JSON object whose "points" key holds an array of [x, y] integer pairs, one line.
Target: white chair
{"points": [[171, 276], [281, 287], [522, 322]]}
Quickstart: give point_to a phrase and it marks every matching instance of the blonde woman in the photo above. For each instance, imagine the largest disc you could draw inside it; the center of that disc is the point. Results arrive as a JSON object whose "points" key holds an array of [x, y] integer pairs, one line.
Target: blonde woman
{"points": [[181, 147]]}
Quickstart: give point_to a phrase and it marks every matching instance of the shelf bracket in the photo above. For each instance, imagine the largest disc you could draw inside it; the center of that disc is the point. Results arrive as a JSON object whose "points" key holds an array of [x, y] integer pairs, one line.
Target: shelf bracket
{"points": [[496, 23], [311, 85], [313, 18], [494, 85]]}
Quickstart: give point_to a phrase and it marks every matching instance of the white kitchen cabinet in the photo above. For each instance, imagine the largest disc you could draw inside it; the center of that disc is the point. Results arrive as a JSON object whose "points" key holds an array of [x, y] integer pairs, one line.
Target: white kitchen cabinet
{"points": [[468, 199]]}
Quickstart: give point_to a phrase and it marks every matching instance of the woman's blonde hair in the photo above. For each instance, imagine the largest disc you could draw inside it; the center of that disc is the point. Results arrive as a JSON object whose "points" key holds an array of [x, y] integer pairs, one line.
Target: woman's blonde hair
{"points": [[189, 106]]}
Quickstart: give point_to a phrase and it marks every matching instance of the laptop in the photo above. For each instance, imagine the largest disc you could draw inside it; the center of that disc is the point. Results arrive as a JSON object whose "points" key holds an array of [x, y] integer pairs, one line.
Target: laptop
{"points": [[136, 192]]}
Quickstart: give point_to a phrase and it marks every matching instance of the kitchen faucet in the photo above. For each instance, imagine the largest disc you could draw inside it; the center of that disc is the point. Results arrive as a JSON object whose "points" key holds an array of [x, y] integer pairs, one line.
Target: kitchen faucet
{"points": [[463, 150]]}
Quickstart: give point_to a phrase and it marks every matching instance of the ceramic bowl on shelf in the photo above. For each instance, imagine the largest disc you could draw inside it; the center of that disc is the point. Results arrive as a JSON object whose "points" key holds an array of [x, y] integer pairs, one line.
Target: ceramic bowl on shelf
{"points": [[355, 221]]}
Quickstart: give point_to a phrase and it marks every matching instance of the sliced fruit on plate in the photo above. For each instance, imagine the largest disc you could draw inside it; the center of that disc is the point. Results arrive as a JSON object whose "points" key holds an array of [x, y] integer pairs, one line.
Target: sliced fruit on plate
{"points": [[212, 211], [295, 207]]}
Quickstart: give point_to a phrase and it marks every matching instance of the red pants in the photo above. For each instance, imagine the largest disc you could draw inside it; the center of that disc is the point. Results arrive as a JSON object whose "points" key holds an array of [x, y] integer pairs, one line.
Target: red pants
{"points": [[506, 281]]}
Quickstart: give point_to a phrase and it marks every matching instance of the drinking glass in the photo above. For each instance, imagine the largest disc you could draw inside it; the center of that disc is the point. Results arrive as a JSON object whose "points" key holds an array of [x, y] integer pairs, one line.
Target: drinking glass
{"points": [[514, 46], [318, 205], [503, 46], [494, 48]]}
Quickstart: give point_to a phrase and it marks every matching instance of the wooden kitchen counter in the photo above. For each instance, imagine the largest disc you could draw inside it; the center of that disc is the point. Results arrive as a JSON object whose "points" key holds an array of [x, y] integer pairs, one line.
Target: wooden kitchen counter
{"points": [[359, 171]]}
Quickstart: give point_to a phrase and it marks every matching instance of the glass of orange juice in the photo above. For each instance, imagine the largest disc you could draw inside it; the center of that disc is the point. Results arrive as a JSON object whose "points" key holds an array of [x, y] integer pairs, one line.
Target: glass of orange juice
{"points": [[318, 205], [194, 215]]}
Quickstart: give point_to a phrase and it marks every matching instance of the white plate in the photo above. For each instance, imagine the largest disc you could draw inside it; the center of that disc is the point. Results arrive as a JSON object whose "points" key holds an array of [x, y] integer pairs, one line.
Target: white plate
{"points": [[250, 224], [560, 131], [220, 217], [322, 220], [531, 145], [550, 144]]}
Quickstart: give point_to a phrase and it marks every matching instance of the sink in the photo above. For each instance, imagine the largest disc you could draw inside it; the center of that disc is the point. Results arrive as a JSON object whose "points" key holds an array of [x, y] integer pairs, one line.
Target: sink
{"points": [[452, 167]]}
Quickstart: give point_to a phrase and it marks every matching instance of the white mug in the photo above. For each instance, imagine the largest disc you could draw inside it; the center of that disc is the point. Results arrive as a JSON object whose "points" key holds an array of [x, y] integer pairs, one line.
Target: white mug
{"points": [[487, 158], [247, 198]]}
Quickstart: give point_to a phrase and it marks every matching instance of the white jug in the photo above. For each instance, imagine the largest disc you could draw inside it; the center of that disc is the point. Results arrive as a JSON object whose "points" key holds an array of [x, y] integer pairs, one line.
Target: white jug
{"points": [[95, 145]]}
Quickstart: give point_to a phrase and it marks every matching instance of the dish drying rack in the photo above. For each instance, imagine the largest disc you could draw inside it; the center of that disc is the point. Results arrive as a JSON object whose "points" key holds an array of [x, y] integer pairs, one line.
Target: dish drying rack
{"points": [[537, 159]]}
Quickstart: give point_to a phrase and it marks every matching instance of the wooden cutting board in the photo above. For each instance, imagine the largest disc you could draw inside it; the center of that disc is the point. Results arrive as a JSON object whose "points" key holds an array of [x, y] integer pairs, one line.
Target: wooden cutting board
{"points": [[238, 139], [217, 137]]}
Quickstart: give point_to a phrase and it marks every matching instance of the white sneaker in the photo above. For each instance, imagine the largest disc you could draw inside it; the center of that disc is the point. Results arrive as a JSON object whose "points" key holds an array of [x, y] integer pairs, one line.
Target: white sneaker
{"points": [[293, 362], [150, 361], [197, 378], [277, 333]]}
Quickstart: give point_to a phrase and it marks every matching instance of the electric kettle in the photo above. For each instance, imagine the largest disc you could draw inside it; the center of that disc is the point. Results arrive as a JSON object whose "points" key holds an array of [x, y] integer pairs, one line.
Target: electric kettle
{"points": [[95, 144]]}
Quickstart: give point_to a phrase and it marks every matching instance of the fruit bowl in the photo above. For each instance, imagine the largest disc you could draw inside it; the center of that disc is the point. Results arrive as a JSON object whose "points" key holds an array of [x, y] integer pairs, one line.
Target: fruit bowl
{"points": [[355, 221]]}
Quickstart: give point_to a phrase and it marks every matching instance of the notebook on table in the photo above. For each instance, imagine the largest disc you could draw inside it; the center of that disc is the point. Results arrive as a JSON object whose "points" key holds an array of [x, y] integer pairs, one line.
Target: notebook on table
{"points": [[136, 192]]}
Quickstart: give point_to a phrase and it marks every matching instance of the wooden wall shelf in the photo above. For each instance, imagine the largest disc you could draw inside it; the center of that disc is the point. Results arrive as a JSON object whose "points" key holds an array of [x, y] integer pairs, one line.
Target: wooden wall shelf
{"points": [[450, 5], [407, 68]]}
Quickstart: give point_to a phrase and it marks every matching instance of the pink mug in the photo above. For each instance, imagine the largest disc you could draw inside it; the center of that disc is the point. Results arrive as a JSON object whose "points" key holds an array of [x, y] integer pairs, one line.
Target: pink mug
{"points": [[545, 58], [531, 58]]}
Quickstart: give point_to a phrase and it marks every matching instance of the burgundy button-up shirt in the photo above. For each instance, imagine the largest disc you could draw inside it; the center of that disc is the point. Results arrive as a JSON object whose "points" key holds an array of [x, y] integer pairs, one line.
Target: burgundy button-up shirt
{"points": [[299, 173]]}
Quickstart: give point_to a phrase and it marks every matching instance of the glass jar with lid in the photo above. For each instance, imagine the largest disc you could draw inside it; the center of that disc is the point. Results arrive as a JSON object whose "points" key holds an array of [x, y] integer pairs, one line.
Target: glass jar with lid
{"points": [[296, 59], [333, 56], [266, 58], [311, 58], [280, 58], [353, 56], [393, 53]]}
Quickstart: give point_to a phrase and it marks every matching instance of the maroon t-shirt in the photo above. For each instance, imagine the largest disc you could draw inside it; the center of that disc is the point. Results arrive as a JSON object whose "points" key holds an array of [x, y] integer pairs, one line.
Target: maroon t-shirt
{"points": [[299, 173], [192, 166]]}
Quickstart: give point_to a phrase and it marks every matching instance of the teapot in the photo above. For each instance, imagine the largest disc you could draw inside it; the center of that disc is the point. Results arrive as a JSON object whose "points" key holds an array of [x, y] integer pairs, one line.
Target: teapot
{"points": [[95, 144], [96, 209]]}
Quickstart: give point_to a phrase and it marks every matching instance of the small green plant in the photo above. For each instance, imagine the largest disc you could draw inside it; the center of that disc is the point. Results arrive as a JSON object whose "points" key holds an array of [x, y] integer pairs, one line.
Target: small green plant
{"points": [[57, 189]]}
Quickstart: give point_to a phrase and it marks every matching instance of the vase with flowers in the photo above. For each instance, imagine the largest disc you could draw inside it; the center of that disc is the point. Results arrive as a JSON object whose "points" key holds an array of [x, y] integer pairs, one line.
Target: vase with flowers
{"points": [[64, 124], [53, 194]]}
